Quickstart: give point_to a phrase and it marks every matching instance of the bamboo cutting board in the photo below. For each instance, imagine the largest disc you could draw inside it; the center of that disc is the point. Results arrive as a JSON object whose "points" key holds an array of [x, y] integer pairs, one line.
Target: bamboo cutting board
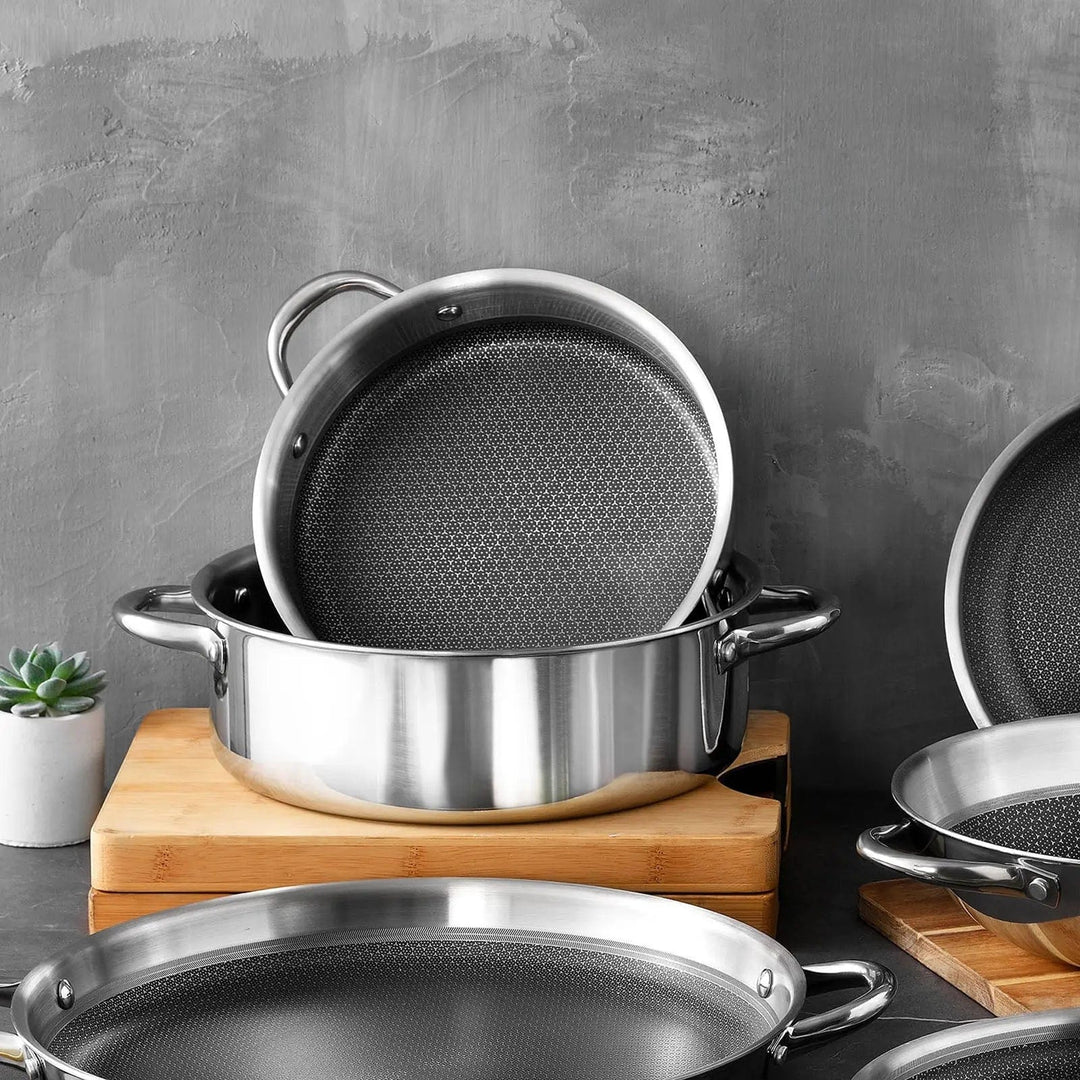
{"points": [[930, 925], [176, 828]]}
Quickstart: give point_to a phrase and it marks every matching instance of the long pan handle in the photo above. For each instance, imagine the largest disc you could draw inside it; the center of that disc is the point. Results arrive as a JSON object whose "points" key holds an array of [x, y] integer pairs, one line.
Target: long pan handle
{"points": [[808, 612], [304, 301], [896, 847]]}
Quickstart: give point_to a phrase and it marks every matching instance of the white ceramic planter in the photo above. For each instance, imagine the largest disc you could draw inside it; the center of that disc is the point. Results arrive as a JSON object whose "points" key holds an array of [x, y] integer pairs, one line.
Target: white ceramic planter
{"points": [[54, 777]]}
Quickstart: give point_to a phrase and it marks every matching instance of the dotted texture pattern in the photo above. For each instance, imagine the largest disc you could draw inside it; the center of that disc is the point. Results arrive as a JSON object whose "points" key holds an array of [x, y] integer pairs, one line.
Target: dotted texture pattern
{"points": [[1049, 826], [1052, 1060], [522, 484], [405, 1009], [1020, 589]]}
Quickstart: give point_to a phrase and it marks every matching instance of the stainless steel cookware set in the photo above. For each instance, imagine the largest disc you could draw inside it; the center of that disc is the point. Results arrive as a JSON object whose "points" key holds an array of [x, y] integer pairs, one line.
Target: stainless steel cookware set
{"points": [[493, 577], [994, 814], [493, 580]]}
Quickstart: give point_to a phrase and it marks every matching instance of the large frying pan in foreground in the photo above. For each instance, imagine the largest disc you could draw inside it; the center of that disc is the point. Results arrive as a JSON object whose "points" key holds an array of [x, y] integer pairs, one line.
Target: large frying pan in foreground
{"points": [[442, 979], [1012, 592], [500, 459]]}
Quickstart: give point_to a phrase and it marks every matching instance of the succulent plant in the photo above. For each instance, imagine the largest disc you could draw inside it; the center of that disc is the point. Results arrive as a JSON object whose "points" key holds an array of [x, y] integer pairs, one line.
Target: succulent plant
{"points": [[42, 682]]}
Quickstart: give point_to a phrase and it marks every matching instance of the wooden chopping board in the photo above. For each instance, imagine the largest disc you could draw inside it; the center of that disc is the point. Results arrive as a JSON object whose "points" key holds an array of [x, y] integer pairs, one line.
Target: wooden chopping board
{"points": [[176, 827]]}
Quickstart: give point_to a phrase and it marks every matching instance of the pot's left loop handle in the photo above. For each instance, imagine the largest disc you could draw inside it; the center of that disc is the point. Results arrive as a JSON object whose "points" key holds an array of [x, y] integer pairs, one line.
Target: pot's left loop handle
{"points": [[880, 986], [304, 301], [809, 612], [159, 614]]}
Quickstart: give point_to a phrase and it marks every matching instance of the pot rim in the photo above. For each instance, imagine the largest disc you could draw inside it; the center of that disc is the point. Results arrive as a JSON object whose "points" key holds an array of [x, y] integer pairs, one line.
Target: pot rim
{"points": [[277, 445], [42, 977], [202, 584], [982, 1036], [996, 731]]}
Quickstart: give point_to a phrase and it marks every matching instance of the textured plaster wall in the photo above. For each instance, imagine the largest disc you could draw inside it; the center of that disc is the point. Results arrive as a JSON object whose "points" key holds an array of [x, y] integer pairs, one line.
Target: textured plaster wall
{"points": [[864, 219]]}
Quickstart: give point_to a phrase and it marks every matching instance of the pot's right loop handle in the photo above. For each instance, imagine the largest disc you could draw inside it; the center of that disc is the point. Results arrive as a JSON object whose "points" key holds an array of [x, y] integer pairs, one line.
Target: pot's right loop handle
{"points": [[897, 847], [304, 301], [159, 615], [880, 986], [819, 610]]}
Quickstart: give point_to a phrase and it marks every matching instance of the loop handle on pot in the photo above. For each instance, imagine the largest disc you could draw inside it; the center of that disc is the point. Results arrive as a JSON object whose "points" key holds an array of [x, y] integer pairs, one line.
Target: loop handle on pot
{"points": [[880, 986], [821, 610], [304, 301], [158, 614], [897, 847]]}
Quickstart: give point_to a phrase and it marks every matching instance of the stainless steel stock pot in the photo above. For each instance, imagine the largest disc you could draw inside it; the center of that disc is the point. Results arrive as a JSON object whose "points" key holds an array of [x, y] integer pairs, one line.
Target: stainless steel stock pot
{"points": [[452, 979], [472, 736]]}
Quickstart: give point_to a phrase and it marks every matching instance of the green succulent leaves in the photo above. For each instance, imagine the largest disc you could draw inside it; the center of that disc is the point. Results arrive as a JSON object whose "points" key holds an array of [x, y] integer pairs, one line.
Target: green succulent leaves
{"points": [[41, 682]]}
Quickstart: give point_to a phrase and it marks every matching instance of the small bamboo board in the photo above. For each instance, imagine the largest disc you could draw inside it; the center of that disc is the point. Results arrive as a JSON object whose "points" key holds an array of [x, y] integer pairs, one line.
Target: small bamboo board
{"points": [[929, 924], [176, 828]]}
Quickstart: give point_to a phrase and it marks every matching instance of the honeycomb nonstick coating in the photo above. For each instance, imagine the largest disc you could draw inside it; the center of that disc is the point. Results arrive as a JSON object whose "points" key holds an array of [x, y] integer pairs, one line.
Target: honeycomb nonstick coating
{"points": [[1020, 582], [399, 1010], [1048, 826], [1057, 1059], [520, 484]]}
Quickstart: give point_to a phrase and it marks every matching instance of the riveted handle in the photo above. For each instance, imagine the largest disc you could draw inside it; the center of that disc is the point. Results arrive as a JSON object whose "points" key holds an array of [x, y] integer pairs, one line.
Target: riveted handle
{"points": [[880, 986], [159, 614], [899, 848], [304, 301], [809, 611]]}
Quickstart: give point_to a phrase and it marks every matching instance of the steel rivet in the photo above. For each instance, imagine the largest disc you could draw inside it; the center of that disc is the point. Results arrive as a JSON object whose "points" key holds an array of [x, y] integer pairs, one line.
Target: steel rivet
{"points": [[65, 995], [241, 596], [299, 445], [1038, 889], [449, 312], [764, 983]]}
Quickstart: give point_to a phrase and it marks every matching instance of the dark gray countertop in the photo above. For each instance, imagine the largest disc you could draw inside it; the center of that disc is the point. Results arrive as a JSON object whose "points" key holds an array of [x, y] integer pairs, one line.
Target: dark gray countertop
{"points": [[43, 906]]}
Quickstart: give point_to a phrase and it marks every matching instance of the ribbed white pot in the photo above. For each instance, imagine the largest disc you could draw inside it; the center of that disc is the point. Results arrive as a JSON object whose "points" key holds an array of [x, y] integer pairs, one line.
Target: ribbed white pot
{"points": [[53, 777]]}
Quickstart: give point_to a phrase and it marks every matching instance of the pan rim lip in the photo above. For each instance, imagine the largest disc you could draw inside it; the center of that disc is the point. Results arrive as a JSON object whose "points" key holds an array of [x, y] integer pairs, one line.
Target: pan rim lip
{"points": [[965, 532], [780, 954], [307, 383], [909, 764], [199, 588], [976, 1036]]}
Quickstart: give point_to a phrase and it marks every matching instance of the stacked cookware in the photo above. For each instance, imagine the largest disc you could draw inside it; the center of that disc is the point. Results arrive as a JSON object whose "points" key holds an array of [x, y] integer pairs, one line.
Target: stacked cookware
{"points": [[493, 576], [492, 580], [993, 814]]}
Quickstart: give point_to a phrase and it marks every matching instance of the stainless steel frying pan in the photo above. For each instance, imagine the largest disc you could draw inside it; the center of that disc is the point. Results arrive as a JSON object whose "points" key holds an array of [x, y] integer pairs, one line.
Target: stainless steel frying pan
{"points": [[1034, 1046], [444, 979], [500, 459], [1014, 577]]}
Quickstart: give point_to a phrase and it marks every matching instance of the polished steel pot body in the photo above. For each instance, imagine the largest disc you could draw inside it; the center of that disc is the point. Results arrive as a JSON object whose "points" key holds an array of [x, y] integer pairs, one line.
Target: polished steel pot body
{"points": [[131, 954], [1030, 898], [472, 736]]}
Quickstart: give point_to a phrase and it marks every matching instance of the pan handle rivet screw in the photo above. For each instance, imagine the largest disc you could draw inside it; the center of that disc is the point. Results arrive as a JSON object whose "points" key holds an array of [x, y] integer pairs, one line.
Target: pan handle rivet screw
{"points": [[764, 983], [299, 445], [449, 312], [241, 596], [1038, 889], [65, 995]]}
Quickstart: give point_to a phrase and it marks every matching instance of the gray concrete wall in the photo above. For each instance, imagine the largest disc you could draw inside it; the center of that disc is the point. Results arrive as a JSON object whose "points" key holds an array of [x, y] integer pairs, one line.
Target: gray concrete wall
{"points": [[862, 218]]}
